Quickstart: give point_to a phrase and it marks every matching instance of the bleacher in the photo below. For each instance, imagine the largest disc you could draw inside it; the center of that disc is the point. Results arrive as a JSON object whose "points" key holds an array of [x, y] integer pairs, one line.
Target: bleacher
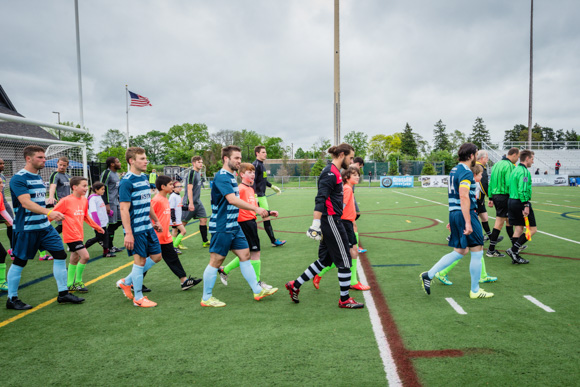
{"points": [[546, 154]]}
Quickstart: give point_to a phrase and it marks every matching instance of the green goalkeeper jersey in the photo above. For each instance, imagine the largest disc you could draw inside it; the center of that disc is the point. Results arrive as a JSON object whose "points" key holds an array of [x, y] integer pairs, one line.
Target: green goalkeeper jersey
{"points": [[500, 178], [521, 184]]}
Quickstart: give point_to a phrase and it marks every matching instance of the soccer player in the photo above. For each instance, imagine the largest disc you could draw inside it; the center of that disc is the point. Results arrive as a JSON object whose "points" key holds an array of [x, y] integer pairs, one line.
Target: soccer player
{"points": [[8, 208], [176, 207], [136, 213], [226, 232], [498, 196], [8, 220], [350, 177], [160, 206], [329, 229], [32, 229], [192, 200], [357, 162], [466, 232], [111, 180], [520, 206], [260, 184], [477, 170], [98, 211], [75, 208], [247, 222]]}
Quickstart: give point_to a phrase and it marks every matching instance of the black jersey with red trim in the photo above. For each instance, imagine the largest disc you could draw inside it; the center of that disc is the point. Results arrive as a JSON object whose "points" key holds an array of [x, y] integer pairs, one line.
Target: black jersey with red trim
{"points": [[329, 197]]}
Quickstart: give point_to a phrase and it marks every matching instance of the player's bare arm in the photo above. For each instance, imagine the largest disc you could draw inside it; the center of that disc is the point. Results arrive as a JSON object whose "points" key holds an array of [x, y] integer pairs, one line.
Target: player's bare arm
{"points": [[465, 205], [51, 192], [28, 204], [126, 220], [236, 201]]}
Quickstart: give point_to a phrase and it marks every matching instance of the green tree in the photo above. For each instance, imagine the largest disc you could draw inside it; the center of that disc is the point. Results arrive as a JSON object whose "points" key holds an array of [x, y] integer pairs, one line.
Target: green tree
{"points": [[548, 134], [359, 141], [393, 164], [441, 139], [86, 138], [300, 154], [428, 169], [381, 146], [113, 138], [408, 144], [184, 141], [479, 134], [154, 143], [318, 167], [305, 168], [457, 139], [514, 134], [274, 147], [320, 147], [118, 152], [571, 135], [444, 155]]}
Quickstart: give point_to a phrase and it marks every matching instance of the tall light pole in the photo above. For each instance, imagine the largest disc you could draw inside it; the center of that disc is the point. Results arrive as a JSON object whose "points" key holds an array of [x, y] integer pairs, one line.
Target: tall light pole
{"points": [[58, 123], [531, 75], [80, 80], [336, 75]]}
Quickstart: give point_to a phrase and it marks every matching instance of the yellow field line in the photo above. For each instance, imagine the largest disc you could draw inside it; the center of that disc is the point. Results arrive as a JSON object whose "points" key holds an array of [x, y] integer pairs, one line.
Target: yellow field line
{"points": [[46, 303], [559, 213]]}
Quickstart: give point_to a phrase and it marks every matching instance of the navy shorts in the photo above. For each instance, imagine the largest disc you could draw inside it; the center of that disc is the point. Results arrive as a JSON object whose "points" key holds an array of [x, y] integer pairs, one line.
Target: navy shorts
{"points": [[146, 244], [27, 244], [222, 242], [457, 224]]}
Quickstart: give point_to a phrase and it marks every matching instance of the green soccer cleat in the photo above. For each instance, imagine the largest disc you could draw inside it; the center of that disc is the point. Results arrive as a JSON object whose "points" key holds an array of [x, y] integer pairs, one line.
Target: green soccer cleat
{"points": [[480, 294], [80, 287], [265, 293], [205, 244], [487, 279], [182, 247], [443, 278], [4, 286], [213, 302]]}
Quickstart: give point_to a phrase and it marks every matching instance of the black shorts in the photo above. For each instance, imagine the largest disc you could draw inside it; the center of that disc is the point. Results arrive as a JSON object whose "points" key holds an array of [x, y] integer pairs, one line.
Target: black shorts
{"points": [[349, 228], [481, 206], [334, 245], [500, 202], [250, 230], [516, 215], [76, 246]]}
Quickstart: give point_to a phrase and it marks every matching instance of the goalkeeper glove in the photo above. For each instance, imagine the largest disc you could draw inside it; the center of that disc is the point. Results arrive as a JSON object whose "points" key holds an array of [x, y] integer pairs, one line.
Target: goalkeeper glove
{"points": [[276, 189], [314, 231]]}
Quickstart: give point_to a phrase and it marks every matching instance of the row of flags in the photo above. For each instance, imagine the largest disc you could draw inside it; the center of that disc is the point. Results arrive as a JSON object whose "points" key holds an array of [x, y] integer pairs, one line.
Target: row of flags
{"points": [[139, 100]]}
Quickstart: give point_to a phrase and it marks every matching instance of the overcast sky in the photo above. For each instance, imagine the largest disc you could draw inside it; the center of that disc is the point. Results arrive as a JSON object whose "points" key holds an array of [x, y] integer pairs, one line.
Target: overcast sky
{"points": [[267, 65]]}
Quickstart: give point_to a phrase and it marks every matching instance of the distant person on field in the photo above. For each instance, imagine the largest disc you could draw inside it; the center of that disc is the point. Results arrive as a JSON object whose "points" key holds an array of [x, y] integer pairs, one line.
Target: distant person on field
{"points": [[8, 220], [99, 213], [545, 172], [557, 168], [537, 171], [192, 206], [111, 179], [8, 208]]}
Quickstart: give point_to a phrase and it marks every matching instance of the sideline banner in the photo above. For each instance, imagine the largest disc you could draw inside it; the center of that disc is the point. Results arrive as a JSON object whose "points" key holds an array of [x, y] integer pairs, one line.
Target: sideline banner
{"points": [[550, 180], [435, 181], [396, 181]]}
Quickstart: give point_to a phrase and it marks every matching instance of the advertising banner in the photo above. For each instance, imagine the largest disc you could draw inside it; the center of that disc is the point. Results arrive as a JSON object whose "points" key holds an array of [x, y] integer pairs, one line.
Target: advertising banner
{"points": [[550, 180], [396, 181], [436, 181]]}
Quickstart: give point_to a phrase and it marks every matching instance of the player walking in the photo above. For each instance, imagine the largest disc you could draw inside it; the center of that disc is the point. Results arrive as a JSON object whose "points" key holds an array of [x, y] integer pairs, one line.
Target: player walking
{"points": [[226, 232], [176, 207], [8, 208], [260, 184], [192, 204], [110, 178], [329, 229], [520, 206], [466, 232], [32, 229], [7, 219]]}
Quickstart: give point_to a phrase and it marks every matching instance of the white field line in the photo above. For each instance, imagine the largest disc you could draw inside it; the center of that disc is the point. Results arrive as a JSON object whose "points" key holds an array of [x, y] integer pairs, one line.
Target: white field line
{"points": [[440, 221], [384, 349], [491, 217], [455, 305], [538, 303]]}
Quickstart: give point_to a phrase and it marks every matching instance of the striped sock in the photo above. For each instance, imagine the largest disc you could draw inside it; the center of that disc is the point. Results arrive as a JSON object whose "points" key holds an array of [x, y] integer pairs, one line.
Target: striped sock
{"points": [[309, 273], [344, 282]]}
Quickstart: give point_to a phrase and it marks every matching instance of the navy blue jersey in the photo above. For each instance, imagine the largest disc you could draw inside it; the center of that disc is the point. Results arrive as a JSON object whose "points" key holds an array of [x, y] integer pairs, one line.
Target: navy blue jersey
{"points": [[224, 216], [461, 176], [136, 190], [22, 183]]}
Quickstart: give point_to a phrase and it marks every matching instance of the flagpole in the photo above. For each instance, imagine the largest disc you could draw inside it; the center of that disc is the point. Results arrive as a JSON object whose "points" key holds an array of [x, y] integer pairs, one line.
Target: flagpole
{"points": [[127, 102]]}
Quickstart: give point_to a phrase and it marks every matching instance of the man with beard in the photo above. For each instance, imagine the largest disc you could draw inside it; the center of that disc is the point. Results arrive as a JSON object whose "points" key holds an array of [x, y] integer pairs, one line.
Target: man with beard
{"points": [[110, 178], [466, 231], [226, 232], [328, 228]]}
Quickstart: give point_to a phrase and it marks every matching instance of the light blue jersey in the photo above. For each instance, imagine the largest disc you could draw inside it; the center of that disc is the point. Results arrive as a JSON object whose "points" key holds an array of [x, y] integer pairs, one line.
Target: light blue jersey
{"points": [[461, 176], [22, 183], [224, 216], [136, 190]]}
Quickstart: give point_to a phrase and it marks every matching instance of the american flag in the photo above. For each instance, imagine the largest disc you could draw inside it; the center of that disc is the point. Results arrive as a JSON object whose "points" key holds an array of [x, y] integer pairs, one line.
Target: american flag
{"points": [[139, 100]]}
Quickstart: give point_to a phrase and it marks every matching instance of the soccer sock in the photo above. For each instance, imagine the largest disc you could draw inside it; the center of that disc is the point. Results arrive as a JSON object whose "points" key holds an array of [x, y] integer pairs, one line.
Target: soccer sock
{"points": [[309, 273], [514, 240], [232, 265], [148, 264], [475, 270], [344, 282], [250, 275], [493, 239], [59, 271], [9, 235], [353, 277], [510, 231], [13, 279], [483, 271], [519, 243], [209, 277], [203, 232], [485, 226], [445, 261], [137, 275], [2, 273], [257, 268], [177, 240], [129, 279], [269, 230], [327, 268], [445, 271], [80, 270], [72, 271], [356, 234]]}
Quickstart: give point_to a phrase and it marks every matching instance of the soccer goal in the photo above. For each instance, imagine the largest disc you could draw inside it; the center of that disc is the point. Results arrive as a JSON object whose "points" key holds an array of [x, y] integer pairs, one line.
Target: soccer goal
{"points": [[12, 148]]}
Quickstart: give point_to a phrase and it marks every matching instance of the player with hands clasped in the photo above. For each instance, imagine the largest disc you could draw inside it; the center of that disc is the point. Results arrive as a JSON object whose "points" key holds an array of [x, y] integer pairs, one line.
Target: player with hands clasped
{"points": [[328, 228]]}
